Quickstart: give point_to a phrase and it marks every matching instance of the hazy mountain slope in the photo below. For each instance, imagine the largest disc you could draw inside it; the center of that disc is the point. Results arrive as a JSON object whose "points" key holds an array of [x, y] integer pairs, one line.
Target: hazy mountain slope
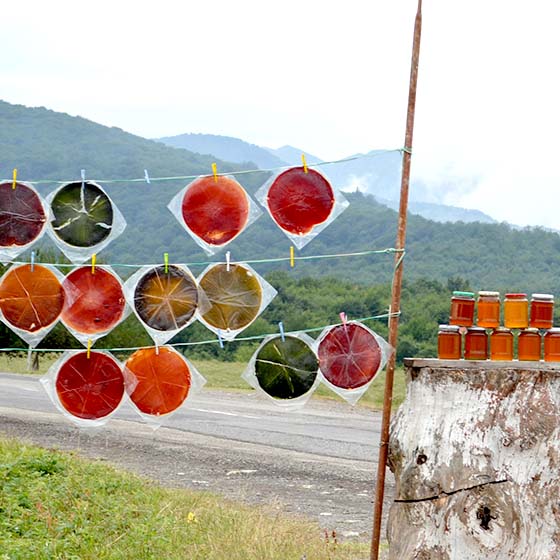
{"points": [[226, 148]]}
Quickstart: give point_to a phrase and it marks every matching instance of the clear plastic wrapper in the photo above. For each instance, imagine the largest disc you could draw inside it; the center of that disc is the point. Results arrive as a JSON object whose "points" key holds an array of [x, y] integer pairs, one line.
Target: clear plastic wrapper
{"points": [[350, 356], [236, 295], [214, 211], [164, 302], [23, 219], [84, 220], [87, 390], [94, 302], [285, 370], [159, 381], [31, 300], [301, 203]]}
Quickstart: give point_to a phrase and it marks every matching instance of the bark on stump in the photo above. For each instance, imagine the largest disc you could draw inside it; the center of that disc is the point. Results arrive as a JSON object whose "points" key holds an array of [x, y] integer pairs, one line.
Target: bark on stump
{"points": [[475, 450]]}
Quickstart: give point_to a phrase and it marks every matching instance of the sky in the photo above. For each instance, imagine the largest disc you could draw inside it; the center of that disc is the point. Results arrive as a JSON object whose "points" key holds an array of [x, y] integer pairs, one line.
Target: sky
{"points": [[330, 78]]}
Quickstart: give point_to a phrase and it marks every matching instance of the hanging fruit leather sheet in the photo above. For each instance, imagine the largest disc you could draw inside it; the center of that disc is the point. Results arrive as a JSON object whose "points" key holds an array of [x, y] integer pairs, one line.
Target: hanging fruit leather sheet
{"points": [[94, 302], [235, 296], [166, 301], [83, 214], [90, 388], [349, 356], [161, 380], [286, 369], [215, 211], [31, 300], [299, 201], [22, 215]]}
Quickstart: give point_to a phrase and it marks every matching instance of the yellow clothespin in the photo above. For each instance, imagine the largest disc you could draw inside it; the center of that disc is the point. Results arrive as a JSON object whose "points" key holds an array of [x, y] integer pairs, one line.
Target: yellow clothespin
{"points": [[292, 256], [14, 179], [304, 163], [93, 259], [88, 348], [166, 262], [215, 171]]}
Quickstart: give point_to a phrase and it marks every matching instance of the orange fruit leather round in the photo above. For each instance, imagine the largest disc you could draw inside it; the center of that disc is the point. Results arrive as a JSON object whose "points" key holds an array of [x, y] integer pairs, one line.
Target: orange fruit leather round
{"points": [[90, 388], [31, 300], [299, 201], [94, 303], [160, 382], [215, 211]]}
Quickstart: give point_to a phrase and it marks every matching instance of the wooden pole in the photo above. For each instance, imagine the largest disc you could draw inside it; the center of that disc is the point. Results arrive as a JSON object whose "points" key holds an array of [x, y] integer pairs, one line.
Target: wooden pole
{"points": [[396, 290]]}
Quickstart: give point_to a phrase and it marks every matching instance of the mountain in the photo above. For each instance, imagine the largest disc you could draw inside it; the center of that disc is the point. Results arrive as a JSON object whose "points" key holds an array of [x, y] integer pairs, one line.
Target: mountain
{"points": [[293, 155], [52, 146], [225, 148]]}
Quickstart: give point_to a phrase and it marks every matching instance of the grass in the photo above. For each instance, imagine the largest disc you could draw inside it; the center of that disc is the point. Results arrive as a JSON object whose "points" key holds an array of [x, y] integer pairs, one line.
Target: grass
{"points": [[54, 505], [226, 375]]}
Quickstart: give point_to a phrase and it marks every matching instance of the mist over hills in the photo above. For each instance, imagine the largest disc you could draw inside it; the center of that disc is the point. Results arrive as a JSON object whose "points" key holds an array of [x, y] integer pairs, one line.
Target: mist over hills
{"points": [[378, 172], [46, 145]]}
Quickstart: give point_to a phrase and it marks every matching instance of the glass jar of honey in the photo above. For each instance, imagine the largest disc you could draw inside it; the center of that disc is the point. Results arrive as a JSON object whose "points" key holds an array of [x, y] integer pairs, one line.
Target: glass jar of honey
{"points": [[488, 310], [529, 345], [542, 311], [501, 344], [449, 342], [516, 311], [462, 309], [476, 344], [552, 345]]}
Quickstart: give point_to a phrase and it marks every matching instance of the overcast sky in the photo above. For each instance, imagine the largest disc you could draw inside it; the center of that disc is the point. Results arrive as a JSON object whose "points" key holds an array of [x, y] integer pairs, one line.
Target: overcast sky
{"points": [[327, 77]]}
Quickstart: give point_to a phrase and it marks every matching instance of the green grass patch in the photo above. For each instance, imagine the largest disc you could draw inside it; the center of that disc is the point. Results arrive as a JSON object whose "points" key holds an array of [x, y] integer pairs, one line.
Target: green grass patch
{"points": [[55, 505], [227, 375]]}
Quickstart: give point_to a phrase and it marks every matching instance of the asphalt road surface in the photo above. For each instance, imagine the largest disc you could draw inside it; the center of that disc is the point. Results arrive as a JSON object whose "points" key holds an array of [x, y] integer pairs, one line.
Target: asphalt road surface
{"points": [[319, 461]]}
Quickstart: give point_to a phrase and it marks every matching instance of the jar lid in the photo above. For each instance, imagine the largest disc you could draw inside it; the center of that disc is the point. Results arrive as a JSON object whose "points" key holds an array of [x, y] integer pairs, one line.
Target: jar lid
{"points": [[554, 330], [516, 296], [530, 330], [449, 328], [476, 329], [543, 297], [489, 294], [463, 294], [502, 330]]}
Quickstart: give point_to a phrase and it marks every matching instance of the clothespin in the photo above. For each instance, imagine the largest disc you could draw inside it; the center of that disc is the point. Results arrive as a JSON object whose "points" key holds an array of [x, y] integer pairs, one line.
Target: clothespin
{"points": [[220, 340], [157, 350], [166, 262], [228, 259], [32, 261], [14, 179], [281, 328], [303, 160], [146, 176], [292, 257], [215, 171], [88, 348], [389, 317], [83, 173], [93, 259], [343, 319]]}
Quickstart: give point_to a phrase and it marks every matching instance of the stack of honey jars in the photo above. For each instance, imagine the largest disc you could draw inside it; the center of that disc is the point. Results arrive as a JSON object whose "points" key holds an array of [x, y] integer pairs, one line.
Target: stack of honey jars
{"points": [[488, 339]]}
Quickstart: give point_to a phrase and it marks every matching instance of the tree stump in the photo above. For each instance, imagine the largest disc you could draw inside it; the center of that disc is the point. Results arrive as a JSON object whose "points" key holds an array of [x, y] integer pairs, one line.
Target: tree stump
{"points": [[475, 450]]}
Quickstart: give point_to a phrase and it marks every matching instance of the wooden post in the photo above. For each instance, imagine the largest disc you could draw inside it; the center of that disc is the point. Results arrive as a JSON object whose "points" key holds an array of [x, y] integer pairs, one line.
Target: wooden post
{"points": [[475, 449], [396, 290]]}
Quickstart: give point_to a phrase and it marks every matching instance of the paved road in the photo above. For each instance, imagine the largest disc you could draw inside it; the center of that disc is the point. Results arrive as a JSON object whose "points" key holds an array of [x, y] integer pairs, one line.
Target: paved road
{"points": [[319, 461]]}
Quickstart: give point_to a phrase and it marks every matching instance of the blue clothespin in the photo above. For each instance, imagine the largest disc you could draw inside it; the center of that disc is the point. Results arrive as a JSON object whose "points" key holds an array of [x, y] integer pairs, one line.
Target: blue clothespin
{"points": [[32, 261], [83, 173], [220, 340], [146, 176], [281, 327]]}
